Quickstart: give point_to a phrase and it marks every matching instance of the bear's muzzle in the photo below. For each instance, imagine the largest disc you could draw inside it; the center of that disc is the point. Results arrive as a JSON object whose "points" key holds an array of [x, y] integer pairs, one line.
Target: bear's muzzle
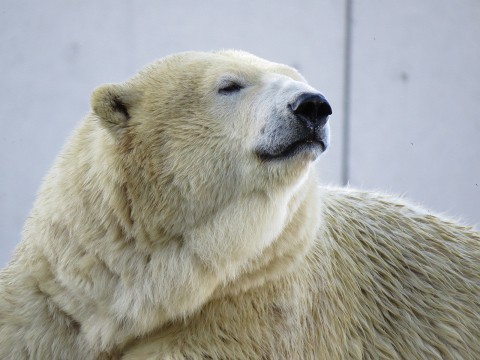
{"points": [[304, 130]]}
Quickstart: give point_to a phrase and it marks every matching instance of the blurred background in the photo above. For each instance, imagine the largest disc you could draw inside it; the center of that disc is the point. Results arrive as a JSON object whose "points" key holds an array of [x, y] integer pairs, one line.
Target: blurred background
{"points": [[403, 78]]}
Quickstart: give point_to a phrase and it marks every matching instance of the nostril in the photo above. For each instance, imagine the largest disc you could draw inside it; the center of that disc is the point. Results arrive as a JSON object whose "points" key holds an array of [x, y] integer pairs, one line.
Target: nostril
{"points": [[324, 109], [307, 109], [311, 107]]}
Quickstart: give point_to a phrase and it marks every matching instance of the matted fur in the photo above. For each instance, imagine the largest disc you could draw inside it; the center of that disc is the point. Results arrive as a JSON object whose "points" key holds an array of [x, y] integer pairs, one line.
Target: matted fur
{"points": [[158, 233]]}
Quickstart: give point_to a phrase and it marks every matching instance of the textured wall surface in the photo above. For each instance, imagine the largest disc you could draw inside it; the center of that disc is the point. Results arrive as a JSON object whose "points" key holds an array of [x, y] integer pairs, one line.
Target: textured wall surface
{"points": [[409, 83]]}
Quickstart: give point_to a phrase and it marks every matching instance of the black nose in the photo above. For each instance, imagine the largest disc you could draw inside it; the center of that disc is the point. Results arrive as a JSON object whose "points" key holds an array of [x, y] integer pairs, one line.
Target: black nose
{"points": [[312, 108]]}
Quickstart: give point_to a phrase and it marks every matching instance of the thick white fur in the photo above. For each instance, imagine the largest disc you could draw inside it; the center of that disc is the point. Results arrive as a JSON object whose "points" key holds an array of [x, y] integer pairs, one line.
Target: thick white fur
{"points": [[383, 280], [156, 202], [157, 218]]}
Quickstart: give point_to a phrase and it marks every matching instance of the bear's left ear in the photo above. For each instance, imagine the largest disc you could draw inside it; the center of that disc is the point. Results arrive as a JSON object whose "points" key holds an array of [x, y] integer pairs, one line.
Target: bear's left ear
{"points": [[113, 103]]}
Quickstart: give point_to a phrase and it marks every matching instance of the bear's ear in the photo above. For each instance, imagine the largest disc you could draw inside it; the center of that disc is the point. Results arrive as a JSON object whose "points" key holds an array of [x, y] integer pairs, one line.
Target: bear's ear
{"points": [[112, 103]]}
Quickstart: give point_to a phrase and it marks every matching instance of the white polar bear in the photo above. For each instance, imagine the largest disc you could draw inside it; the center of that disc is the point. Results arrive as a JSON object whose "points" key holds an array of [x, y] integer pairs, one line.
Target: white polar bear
{"points": [[185, 208]]}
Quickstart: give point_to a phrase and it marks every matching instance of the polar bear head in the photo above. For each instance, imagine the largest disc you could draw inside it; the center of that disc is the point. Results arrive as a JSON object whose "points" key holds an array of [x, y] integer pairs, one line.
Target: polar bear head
{"points": [[198, 129]]}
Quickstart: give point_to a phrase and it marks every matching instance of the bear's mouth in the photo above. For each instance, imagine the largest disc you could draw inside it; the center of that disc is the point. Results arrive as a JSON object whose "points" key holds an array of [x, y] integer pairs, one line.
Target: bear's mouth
{"points": [[312, 146]]}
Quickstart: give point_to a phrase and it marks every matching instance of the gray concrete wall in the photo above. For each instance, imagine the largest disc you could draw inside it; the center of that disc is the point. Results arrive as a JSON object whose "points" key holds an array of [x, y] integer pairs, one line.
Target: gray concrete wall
{"points": [[414, 122], [415, 96]]}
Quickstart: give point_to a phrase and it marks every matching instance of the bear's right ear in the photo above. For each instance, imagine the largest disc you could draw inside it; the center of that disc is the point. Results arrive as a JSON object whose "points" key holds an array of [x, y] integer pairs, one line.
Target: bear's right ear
{"points": [[112, 103]]}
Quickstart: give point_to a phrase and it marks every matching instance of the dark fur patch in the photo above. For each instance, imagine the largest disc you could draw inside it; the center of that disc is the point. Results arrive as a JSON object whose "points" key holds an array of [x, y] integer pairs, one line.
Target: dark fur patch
{"points": [[120, 107]]}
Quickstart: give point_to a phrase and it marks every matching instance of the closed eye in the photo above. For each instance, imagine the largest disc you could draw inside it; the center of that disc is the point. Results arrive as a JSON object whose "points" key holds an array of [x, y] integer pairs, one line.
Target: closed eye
{"points": [[229, 88]]}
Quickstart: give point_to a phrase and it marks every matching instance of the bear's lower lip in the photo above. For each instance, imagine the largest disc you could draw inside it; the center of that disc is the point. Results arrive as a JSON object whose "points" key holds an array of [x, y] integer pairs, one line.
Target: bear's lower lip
{"points": [[315, 147]]}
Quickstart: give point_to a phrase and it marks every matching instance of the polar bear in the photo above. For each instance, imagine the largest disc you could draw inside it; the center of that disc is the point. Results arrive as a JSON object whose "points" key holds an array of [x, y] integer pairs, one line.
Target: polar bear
{"points": [[183, 220]]}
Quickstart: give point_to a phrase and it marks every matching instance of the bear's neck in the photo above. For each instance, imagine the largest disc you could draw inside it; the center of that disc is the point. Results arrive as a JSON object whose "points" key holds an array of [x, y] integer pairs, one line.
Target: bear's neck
{"points": [[287, 249], [117, 281]]}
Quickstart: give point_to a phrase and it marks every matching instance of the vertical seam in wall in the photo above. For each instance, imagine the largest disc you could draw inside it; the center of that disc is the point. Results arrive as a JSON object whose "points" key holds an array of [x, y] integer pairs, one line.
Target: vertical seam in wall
{"points": [[347, 92]]}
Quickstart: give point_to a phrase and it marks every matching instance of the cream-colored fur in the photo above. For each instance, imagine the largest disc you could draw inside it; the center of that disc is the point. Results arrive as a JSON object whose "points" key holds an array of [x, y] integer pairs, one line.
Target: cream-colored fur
{"points": [[383, 280], [158, 218]]}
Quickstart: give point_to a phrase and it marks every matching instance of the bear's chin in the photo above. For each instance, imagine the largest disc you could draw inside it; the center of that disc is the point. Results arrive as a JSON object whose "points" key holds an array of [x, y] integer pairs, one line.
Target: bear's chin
{"points": [[300, 150]]}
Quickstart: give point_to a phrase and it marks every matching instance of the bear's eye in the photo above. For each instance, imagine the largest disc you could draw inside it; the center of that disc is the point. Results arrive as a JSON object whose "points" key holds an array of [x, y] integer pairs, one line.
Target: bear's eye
{"points": [[229, 88]]}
